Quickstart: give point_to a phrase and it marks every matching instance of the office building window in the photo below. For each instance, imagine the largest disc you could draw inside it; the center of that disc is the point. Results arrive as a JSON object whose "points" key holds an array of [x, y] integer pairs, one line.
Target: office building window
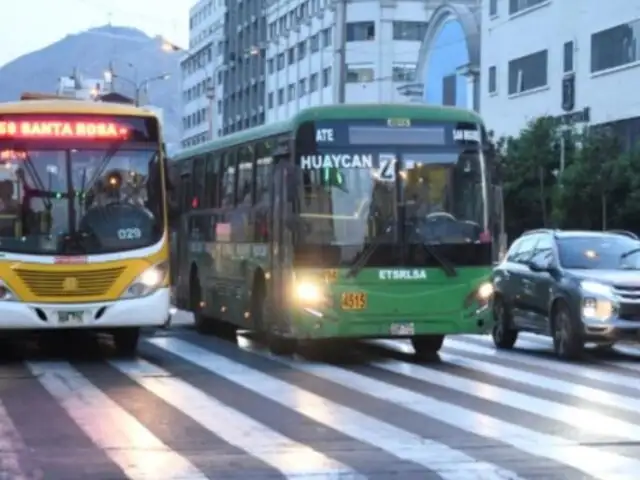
{"points": [[493, 80], [516, 6], [313, 82], [291, 55], [270, 100], [302, 87], [281, 96], [615, 47], [528, 73], [314, 43], [271, 67], [567, 61], [493, 8], [404, 72], [326, 77], [361, 31], [414, 31], [359, 74], [281, 61], [326, 37], [302, 50], [291, 92]]}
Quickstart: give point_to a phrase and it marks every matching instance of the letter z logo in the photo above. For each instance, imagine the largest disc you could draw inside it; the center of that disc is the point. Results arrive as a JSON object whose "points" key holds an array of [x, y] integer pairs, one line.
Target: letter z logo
{"points": [[387, 171]]}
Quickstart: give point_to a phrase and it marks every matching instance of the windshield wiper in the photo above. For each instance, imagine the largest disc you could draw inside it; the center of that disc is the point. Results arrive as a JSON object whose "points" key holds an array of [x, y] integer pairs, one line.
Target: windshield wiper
{"points": [[445, 264], [359, 264], [33, 172]]}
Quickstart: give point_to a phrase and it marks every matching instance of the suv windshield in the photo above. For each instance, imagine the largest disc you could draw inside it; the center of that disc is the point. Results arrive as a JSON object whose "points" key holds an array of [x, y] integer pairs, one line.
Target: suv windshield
{"points": [[601, 252], [79, 202]]}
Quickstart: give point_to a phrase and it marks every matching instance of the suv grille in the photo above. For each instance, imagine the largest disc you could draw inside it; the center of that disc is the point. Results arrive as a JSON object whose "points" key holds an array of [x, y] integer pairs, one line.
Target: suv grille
{"points": [[70, 283], [629, 301]]}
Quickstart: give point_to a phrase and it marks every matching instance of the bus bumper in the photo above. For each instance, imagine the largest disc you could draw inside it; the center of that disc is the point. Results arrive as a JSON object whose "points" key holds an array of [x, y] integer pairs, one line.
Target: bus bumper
{"points": [[150, 311]]}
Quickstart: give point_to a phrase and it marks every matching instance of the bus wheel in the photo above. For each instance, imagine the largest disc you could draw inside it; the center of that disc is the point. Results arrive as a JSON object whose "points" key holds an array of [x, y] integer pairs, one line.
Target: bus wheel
{"points": [[281, 346], [126, 340], [277, 344], [427, 346]]}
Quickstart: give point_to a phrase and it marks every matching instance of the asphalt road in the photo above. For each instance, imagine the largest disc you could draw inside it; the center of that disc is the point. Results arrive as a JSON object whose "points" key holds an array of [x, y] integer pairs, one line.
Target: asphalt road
{"points": [[193, 407]]}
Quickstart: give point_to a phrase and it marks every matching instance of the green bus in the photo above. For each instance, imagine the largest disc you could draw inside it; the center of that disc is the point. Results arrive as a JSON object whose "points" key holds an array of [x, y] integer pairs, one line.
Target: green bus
{"points": [[344, 222]]}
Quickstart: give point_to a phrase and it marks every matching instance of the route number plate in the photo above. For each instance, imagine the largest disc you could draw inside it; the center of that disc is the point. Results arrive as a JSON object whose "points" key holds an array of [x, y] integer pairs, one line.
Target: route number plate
{"points": [[402, 329], [70, 318], [353, 301]]}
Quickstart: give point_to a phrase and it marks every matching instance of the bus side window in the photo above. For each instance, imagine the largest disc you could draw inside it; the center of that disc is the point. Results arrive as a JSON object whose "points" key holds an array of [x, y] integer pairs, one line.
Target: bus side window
{"points": [[198, 182], [264, 170], [245, 177], [211, 197], [229, 178]]}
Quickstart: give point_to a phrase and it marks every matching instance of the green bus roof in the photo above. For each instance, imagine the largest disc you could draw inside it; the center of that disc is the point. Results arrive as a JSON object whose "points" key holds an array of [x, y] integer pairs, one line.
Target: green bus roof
{"points": [[435, 113]]}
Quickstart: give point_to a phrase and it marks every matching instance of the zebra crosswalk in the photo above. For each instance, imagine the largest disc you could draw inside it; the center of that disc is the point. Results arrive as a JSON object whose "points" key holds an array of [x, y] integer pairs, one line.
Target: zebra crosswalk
{"points": [[192, 407]]}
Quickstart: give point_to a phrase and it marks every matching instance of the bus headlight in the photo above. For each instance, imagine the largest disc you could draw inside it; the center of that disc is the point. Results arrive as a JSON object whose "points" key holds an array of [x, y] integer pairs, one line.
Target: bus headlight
{"points": [[6, 295], [485, 291], [148, 281], [308, 293]]}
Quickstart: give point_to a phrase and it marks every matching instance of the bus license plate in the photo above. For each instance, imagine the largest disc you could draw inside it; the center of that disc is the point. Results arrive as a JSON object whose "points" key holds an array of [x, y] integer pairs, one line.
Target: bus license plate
{"points": [[353, 301], [70, 318], [402, 329]]}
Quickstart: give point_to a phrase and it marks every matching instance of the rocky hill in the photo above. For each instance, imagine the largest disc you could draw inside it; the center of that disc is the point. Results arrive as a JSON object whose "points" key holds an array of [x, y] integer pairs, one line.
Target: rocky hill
{"points": [[134, 54]]}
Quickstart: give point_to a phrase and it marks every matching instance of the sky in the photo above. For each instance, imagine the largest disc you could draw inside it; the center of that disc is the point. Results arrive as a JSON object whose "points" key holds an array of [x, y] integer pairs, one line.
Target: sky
{"points": [[29, 25]]}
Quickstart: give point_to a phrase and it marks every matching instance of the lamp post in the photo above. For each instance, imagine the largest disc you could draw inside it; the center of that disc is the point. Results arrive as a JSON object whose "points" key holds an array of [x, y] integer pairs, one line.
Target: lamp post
{"points": [[110, 76]]}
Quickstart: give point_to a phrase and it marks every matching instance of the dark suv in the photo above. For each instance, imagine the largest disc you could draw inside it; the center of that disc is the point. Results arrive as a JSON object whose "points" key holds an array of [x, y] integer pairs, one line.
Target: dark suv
{"points": [[577, 287]]}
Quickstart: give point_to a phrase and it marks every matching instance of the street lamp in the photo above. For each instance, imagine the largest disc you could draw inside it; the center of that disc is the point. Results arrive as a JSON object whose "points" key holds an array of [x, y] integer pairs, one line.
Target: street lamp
{"points": [[110, 75]]}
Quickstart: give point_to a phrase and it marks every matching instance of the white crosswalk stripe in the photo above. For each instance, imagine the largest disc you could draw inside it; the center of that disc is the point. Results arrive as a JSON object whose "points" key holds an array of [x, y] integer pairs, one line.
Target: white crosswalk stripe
{"points": [[193, 407]]}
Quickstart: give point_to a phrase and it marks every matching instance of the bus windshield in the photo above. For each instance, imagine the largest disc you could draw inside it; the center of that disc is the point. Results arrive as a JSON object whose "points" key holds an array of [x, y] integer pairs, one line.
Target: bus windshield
{"points": [[410, 196], [80, 201]]}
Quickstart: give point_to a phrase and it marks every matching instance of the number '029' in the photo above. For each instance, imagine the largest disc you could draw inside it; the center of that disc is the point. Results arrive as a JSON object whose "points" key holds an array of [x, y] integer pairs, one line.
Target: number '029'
{"points": [[129, 233]]}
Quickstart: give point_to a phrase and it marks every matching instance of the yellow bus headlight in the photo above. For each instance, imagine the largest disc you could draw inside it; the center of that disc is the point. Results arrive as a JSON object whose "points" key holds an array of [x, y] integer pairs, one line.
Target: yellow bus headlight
{"points": [[6, 294], [148, 281]]}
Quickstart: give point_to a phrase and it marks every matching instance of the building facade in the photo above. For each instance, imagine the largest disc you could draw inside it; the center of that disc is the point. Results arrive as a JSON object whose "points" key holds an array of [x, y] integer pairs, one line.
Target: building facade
{"points": [[270, 59], [577, 61]]}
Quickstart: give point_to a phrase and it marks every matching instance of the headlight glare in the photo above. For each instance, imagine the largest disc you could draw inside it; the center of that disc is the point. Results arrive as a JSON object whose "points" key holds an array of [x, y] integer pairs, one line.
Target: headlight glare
{"points": [[148, 281]]}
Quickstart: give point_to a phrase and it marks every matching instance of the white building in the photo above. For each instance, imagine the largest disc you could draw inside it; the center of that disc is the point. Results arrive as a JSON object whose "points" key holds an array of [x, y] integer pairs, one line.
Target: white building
{"points": [[382, 43], [578, 60], [75, 86], [206, 21], [271, 59]]}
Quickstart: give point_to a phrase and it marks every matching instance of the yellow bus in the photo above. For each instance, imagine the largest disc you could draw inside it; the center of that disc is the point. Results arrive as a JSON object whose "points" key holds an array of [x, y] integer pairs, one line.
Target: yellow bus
{"points": [[83, 219]]}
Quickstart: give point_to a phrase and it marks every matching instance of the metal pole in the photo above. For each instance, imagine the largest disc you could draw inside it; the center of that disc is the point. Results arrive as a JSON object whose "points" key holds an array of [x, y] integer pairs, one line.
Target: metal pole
{"points": [[341, 50]]}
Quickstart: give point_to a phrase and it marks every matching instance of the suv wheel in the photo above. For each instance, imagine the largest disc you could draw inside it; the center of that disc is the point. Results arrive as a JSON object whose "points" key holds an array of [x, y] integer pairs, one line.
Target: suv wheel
{"points": [[503, 334], [568, 343]]}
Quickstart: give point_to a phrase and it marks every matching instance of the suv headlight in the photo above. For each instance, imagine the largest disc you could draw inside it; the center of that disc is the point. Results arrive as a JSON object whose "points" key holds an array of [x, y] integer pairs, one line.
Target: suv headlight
{"points": [[598, 301], [148, 281], [6, 294]]}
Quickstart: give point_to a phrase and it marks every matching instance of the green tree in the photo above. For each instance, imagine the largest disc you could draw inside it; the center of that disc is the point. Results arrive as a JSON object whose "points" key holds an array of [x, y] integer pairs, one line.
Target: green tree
{"points": [[597, 178], [530, 165]]}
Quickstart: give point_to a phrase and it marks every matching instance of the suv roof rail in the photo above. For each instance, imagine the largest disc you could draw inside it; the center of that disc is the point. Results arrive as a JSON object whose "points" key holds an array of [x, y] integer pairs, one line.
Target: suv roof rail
{"points": [[626, 233], [540, 230]]}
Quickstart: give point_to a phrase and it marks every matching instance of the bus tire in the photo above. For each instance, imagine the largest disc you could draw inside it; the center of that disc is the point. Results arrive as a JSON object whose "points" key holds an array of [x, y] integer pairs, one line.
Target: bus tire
{"points": [[125, 340], [427, 346], [277, 344]]}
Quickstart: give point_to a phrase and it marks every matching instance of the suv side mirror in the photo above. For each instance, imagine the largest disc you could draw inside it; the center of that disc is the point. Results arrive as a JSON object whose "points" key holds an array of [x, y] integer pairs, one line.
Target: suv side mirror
{"points": [[539, 265]]}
